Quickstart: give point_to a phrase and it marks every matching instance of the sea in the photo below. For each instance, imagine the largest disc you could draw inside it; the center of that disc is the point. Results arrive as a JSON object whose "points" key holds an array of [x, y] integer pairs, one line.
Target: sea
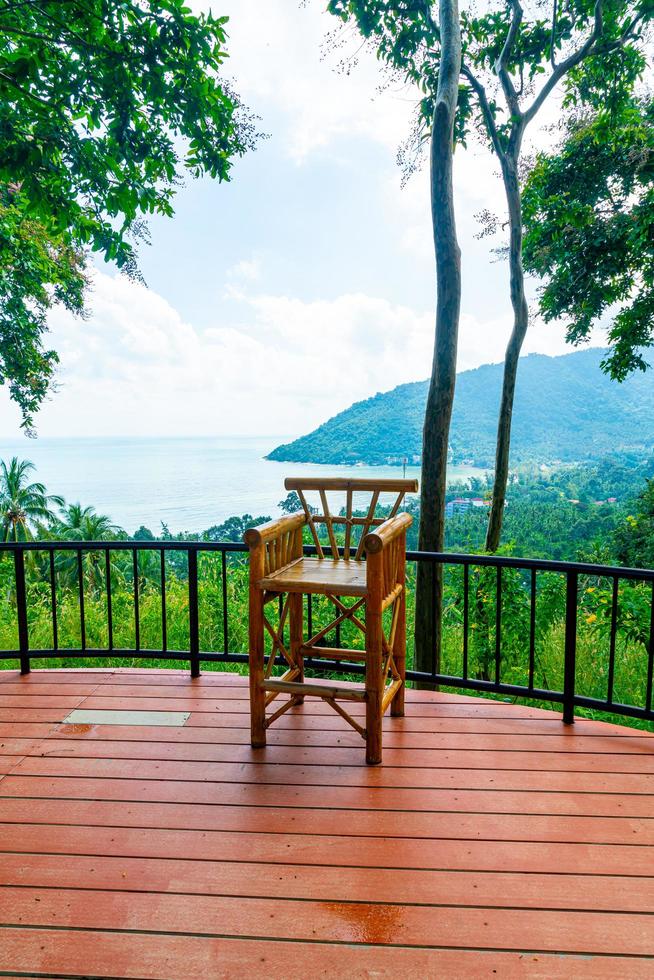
{"points": [[188, 484]]}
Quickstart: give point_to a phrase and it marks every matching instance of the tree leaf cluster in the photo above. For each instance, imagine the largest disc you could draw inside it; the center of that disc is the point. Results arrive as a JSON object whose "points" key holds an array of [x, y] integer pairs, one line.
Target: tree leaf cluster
{"points": [[104, 104], [589, 217]]}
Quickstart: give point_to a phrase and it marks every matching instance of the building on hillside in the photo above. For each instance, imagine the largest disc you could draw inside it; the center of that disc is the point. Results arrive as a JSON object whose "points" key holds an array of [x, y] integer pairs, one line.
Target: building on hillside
{"points": [[460, 505]]}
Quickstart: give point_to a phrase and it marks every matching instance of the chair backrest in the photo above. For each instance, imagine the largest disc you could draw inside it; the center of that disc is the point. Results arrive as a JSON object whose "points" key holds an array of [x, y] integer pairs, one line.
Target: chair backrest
{"points": [[356, 527]]}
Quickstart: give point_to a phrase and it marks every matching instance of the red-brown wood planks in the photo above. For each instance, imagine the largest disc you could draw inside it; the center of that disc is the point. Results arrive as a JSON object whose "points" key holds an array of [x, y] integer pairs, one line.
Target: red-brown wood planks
{"points": [[389, 885], [494, 841], [190, 957], [357, 823], [340, 921], [347, 851]]}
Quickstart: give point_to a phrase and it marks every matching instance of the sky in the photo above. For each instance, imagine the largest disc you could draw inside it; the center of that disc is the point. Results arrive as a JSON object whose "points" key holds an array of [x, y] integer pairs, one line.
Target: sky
{"points": [[305, 283]]}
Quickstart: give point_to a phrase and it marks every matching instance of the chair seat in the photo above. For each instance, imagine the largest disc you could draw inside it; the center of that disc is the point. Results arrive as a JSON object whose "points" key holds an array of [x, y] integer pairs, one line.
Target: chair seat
{"points": [[318, 576]]}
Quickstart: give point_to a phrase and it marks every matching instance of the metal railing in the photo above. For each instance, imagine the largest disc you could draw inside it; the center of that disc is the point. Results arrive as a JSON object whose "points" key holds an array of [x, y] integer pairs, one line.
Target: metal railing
{"points": [[468, 605]]}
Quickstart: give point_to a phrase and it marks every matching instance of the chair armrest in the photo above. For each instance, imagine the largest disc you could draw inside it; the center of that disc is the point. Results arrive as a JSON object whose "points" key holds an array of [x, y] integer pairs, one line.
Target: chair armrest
{"points": [[273, 529], [380, 538]]}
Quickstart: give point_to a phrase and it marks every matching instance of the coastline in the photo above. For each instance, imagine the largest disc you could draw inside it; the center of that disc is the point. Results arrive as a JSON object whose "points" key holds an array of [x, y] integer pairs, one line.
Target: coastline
{"points": [[189, 484]]}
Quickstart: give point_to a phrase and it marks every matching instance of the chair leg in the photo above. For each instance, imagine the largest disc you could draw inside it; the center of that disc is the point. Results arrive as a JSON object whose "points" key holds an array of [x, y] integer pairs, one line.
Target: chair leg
{"points": [[296, 608], [399, 656], [256, 659], [374, 692]]}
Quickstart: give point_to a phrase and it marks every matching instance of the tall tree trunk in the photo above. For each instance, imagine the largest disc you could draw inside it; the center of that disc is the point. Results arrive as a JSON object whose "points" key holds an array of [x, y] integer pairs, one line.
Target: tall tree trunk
{"points": [[520, 324], [443, 376]]}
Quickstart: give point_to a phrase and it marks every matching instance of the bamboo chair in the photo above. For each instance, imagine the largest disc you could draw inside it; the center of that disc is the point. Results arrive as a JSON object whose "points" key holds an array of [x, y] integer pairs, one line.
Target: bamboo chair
{"points": [[370, 572]]}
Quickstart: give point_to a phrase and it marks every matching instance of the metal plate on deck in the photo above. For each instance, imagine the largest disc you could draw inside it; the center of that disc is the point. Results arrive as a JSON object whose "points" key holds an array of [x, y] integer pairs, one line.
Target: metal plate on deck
{"points": [[172, 719]]}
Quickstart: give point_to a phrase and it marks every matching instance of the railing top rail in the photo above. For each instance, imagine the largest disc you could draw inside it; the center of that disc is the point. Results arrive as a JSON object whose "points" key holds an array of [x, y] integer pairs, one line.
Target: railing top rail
{"points": [[539, 564], [446, 558], [126, 545]]}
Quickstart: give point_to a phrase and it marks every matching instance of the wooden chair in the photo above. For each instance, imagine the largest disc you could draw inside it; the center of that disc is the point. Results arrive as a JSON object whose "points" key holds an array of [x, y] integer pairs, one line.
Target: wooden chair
{"points": [[371, 572]]}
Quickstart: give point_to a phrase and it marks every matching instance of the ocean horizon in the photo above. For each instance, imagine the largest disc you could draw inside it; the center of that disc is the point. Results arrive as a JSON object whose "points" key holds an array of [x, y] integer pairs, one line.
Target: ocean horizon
{"points": [[188, 484]]}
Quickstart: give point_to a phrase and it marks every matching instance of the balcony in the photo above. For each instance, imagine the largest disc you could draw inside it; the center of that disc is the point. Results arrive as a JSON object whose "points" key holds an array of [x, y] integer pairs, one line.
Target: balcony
{"points": [[496, 840]]}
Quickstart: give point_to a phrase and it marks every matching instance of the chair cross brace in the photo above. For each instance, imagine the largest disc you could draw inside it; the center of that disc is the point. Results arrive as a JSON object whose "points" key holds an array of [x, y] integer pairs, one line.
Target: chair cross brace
{"points": [[346, 613]]}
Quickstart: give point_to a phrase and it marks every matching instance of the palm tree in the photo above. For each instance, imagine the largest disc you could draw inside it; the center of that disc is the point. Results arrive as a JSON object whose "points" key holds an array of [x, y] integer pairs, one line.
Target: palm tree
{"points": [[21, 502], [77, 523]]}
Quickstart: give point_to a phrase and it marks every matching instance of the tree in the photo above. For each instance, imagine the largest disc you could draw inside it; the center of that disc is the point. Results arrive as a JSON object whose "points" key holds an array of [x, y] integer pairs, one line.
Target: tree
{"points": [[77, 523], [514, 50], [290, 504], [398, 30], [22, 503], [440, 395], [589, 217], [37, 270], [143, 534], [591, 45], [103, 103], [233, 528], [634, 540]]}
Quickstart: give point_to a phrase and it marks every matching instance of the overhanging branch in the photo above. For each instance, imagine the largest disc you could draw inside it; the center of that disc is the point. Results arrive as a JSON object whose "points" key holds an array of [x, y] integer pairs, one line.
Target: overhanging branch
{"points": [[553, 34], [502, 62], [429, 17], [570, 62], [486, 111]]}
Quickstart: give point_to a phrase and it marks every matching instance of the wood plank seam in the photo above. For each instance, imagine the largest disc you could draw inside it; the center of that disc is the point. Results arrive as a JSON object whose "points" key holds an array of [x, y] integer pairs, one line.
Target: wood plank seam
{"points": [[348, 943]]}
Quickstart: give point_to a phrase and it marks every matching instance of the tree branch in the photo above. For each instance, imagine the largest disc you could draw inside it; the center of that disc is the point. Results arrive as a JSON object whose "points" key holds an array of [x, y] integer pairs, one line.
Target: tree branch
{"points": [[32, 35], [486, 110], [94, 48], [629, 29], [508, 88], [429, 17], [7, 9], [553, 34], [570, 62], [30, 95]]}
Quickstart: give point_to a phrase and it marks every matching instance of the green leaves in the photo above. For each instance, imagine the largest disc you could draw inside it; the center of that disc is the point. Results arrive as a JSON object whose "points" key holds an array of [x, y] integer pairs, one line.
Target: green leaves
{"points": [[22, 504], [589, 216], [94, 98], [635, 538], [406, 37], [38, 268]]}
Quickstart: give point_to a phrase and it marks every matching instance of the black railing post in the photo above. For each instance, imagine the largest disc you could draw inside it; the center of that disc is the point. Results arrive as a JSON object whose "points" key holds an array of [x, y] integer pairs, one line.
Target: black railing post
{"points": [[223, 583], [194, 633], [137, 614], [110, 614], [570, 654], [650, 656], [21, 610]]}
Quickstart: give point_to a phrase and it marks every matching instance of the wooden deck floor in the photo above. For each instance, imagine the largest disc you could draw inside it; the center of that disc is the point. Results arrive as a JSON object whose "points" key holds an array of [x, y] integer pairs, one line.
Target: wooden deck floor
{"points": [[493, 842]]}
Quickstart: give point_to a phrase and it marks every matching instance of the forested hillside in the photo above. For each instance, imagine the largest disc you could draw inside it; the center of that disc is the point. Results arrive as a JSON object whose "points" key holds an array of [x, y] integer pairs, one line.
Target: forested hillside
{"points": [[566, 409]]}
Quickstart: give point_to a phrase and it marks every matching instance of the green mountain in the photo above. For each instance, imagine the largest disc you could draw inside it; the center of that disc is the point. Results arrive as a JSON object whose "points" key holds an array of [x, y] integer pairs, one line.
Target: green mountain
{"points": [[566, 409]]}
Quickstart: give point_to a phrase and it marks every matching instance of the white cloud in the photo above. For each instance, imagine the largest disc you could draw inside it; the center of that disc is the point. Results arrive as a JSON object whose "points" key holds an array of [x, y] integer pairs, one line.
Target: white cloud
{"points": [[136, 368], [281, 63], [246, 269]]}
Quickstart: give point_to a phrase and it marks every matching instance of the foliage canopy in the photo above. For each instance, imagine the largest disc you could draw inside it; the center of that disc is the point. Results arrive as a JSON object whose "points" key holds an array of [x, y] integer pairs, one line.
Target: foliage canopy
{"points": [[103, 103], [512, 60], [635, 538], [589, 215]]}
